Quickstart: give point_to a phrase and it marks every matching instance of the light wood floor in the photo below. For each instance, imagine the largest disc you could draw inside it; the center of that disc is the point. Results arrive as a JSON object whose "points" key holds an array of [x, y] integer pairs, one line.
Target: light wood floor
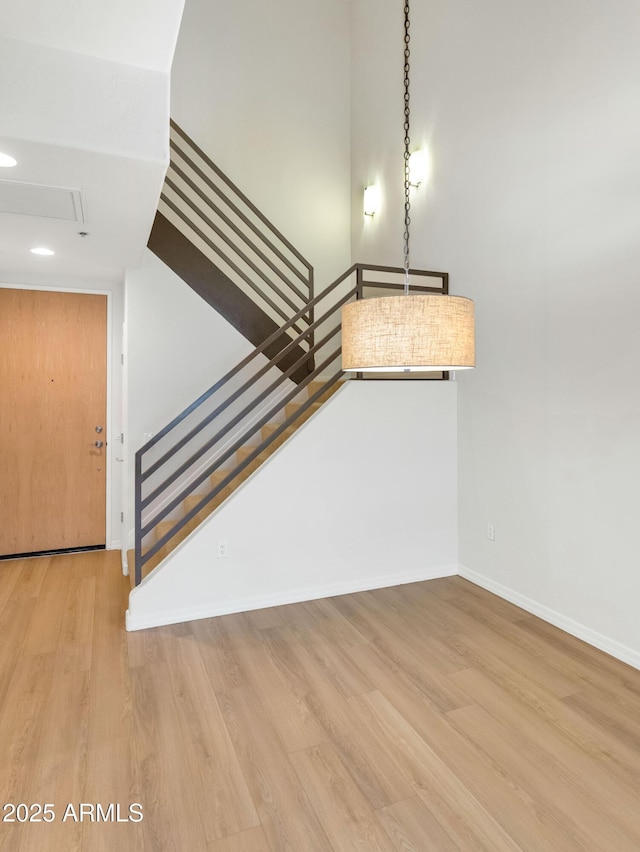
{"points": [[428, 717]]}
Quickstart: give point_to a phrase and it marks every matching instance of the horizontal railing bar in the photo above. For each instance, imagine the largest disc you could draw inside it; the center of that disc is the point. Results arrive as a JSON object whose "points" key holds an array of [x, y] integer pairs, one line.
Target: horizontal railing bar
{"points": [[252, 380], [239, 193], [211, 442], [236, 230], [225, 258], [371, 267], [236, 471], [175, 502], [245, 361], [415, 288]]}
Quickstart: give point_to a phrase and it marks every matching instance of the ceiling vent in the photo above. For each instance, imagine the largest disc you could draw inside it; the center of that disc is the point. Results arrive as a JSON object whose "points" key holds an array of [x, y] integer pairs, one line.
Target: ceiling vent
{"points": [[47, 202]]}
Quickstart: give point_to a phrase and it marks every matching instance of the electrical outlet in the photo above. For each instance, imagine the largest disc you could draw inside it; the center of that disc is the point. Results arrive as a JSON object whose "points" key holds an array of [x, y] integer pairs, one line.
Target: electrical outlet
{"points": [[491, 532], [223, 549]]}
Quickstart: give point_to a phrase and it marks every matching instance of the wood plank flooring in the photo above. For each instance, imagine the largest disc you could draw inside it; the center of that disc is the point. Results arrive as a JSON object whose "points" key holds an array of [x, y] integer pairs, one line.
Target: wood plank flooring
{"points": [[431, 717]]}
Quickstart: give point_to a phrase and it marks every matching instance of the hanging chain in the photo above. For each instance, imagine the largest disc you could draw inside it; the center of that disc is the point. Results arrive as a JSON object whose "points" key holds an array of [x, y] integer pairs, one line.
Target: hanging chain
{"points": [[407, 142]]}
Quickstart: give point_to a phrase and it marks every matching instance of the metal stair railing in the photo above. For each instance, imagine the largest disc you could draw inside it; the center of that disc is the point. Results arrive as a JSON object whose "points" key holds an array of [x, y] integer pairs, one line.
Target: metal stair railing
{"points": [[230, 231], [195, 456]]}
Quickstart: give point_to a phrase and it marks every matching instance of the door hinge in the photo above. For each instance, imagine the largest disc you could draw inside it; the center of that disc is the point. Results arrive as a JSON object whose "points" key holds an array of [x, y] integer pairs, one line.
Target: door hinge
{"points": [[122, 358], [122, 517]]}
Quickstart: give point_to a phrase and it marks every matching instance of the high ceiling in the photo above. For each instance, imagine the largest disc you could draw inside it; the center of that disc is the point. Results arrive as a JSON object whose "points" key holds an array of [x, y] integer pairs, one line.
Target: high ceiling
{"points": [[84, 100]]}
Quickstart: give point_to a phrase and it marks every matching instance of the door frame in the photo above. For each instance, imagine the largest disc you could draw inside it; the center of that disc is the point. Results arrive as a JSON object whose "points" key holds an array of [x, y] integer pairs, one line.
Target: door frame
{"points": [[111, 435]]}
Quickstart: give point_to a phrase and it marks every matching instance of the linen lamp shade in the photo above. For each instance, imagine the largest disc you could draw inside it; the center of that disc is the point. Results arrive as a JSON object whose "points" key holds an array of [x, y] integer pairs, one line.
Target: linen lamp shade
{"points": [[408, 333]]}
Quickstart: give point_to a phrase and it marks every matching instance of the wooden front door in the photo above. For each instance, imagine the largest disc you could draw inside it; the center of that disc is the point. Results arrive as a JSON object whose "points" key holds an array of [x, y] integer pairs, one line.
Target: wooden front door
{"points": [[53, 381]]}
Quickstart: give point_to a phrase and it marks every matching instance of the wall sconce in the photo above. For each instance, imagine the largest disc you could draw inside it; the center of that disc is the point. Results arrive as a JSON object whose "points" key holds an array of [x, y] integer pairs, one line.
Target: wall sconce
{"points": [[418, 167], [371, 199]]}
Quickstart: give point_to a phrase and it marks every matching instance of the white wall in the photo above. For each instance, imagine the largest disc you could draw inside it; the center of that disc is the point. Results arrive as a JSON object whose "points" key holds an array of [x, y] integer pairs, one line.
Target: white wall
{"points": [[531, 114], [363, 496], [264, 89], [125, 117], [141, 33]]}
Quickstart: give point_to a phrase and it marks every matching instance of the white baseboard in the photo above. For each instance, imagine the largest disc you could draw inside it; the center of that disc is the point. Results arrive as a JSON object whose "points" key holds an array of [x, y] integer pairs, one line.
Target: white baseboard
{"points": [[592, 637], [142, 621]]}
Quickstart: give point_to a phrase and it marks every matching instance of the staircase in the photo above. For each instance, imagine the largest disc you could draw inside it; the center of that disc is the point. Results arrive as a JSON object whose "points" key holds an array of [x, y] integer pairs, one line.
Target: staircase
{"points": [[246, 460], [187, 470]]}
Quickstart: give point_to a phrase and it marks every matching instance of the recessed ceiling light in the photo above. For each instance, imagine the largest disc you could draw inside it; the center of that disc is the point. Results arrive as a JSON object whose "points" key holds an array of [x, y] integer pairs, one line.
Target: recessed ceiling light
{"points": [[7, 161], [42, 250]]}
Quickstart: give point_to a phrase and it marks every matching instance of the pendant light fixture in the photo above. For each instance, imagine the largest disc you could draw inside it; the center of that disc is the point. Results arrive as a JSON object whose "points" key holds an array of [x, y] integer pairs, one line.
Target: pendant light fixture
{"points": [[409, 332]]}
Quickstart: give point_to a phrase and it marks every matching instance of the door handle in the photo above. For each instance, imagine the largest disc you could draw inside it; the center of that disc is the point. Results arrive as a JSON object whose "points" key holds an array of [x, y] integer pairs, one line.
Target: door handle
{"points": [[99, 444]]}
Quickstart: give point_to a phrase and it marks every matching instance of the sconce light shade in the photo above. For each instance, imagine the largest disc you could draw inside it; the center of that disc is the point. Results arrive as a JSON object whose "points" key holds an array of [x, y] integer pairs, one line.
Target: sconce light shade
{"points": [[7, 161], [418, 167], [408, 333], [371, 199]]}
